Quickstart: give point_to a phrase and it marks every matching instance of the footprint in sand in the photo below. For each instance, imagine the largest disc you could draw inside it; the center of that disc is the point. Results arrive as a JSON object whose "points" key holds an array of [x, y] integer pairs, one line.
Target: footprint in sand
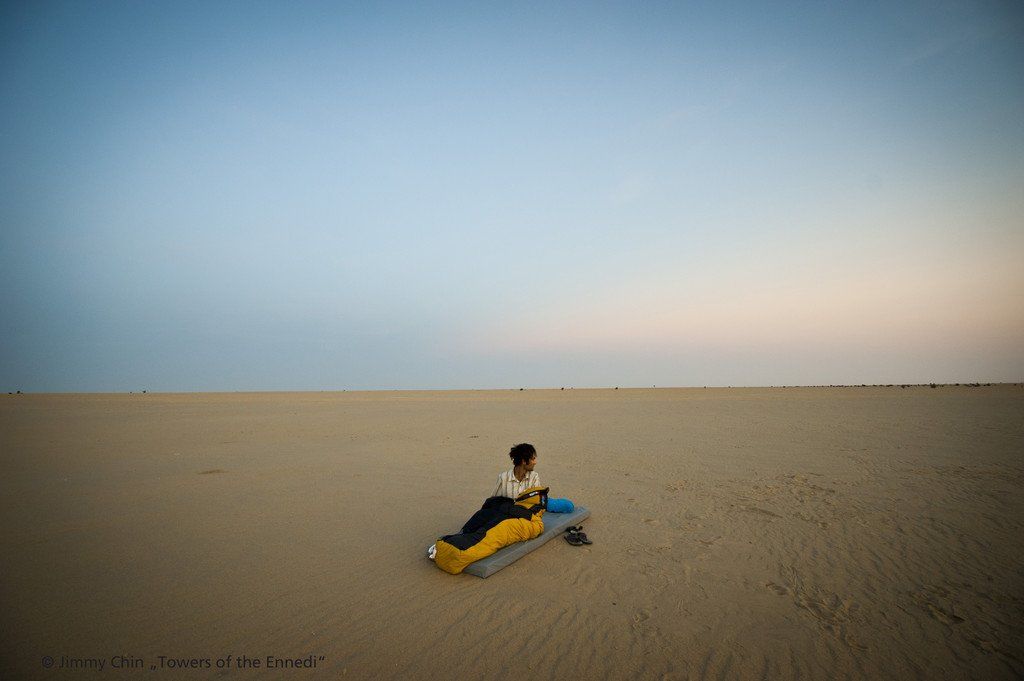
{"points": [[926, 599], [942, 615], [640, 617], [828, 608], [984, 644], [853, 643], [777, 588]]}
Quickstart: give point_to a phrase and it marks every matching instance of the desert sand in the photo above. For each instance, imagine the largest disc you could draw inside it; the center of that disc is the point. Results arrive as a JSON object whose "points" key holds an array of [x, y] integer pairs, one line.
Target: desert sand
{"points": [[738, 533]]}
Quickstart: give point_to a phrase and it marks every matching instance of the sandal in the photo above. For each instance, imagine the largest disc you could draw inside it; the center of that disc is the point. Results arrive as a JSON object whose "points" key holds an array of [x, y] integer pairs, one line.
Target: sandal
{"points": [[572, 537], [581, 535]]}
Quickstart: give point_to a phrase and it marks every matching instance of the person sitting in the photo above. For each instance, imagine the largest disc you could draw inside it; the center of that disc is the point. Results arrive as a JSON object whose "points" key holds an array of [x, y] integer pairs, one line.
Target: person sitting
{"points": [[521, 476]]}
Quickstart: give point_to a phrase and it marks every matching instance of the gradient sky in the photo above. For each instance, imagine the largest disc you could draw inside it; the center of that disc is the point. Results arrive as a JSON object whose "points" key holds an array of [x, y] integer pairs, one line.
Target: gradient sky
{"points": [[275, 196]]}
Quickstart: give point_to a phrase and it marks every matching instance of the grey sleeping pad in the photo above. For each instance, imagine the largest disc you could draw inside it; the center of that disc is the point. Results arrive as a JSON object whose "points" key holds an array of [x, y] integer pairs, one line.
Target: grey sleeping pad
{"points": [[554, 525]]}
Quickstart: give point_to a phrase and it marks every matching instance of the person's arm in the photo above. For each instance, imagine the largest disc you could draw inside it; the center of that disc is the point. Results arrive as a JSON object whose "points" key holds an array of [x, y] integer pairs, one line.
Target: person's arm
{"points": [[499, 489]]}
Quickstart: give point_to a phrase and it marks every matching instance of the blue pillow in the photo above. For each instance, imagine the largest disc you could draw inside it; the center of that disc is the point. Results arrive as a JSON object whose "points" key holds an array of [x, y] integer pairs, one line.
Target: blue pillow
{"points": [[559, 506]]}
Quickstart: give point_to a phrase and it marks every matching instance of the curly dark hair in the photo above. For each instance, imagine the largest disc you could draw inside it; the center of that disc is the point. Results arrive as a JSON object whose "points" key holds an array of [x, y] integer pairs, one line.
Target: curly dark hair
{"points": [[521, 453]]}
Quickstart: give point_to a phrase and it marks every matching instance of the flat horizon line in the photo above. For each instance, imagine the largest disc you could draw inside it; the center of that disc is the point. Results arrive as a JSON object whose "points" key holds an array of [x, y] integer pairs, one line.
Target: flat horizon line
{"points": [[969, 384]]}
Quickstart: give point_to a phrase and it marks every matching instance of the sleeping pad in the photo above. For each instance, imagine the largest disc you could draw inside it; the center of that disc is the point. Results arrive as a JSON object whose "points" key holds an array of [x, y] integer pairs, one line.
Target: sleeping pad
{"points": [[499, 522]]}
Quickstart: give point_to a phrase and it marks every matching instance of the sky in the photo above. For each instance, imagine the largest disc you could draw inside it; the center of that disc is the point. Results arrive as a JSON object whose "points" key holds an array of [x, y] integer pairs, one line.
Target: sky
{"points": [[326, 196]]}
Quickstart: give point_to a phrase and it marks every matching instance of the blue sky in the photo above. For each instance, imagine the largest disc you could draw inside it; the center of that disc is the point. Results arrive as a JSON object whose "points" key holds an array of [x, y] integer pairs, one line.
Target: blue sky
{"points": [[256, 196]]}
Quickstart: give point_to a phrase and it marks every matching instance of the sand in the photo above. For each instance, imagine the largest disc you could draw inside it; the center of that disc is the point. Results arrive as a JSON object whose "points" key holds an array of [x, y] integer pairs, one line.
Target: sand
{"points": [[738, 533]]}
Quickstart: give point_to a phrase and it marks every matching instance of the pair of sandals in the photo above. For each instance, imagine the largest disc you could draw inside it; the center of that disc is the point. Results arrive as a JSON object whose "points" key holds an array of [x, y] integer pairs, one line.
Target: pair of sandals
{"points": [[576, 536]]}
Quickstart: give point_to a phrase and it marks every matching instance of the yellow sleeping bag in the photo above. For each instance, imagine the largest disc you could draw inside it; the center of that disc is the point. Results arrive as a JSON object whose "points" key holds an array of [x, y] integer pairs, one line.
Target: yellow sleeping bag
{"points": [[500, 522]]}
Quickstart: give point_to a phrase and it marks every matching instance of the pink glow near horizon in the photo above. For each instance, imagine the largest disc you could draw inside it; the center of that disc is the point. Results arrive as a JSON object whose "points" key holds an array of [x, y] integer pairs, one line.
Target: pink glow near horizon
{"points": [[892, 302]]}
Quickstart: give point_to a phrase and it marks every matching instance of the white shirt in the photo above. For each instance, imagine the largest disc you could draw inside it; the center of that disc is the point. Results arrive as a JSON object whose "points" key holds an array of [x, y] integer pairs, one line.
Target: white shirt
{"points": [[509, 487]]}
